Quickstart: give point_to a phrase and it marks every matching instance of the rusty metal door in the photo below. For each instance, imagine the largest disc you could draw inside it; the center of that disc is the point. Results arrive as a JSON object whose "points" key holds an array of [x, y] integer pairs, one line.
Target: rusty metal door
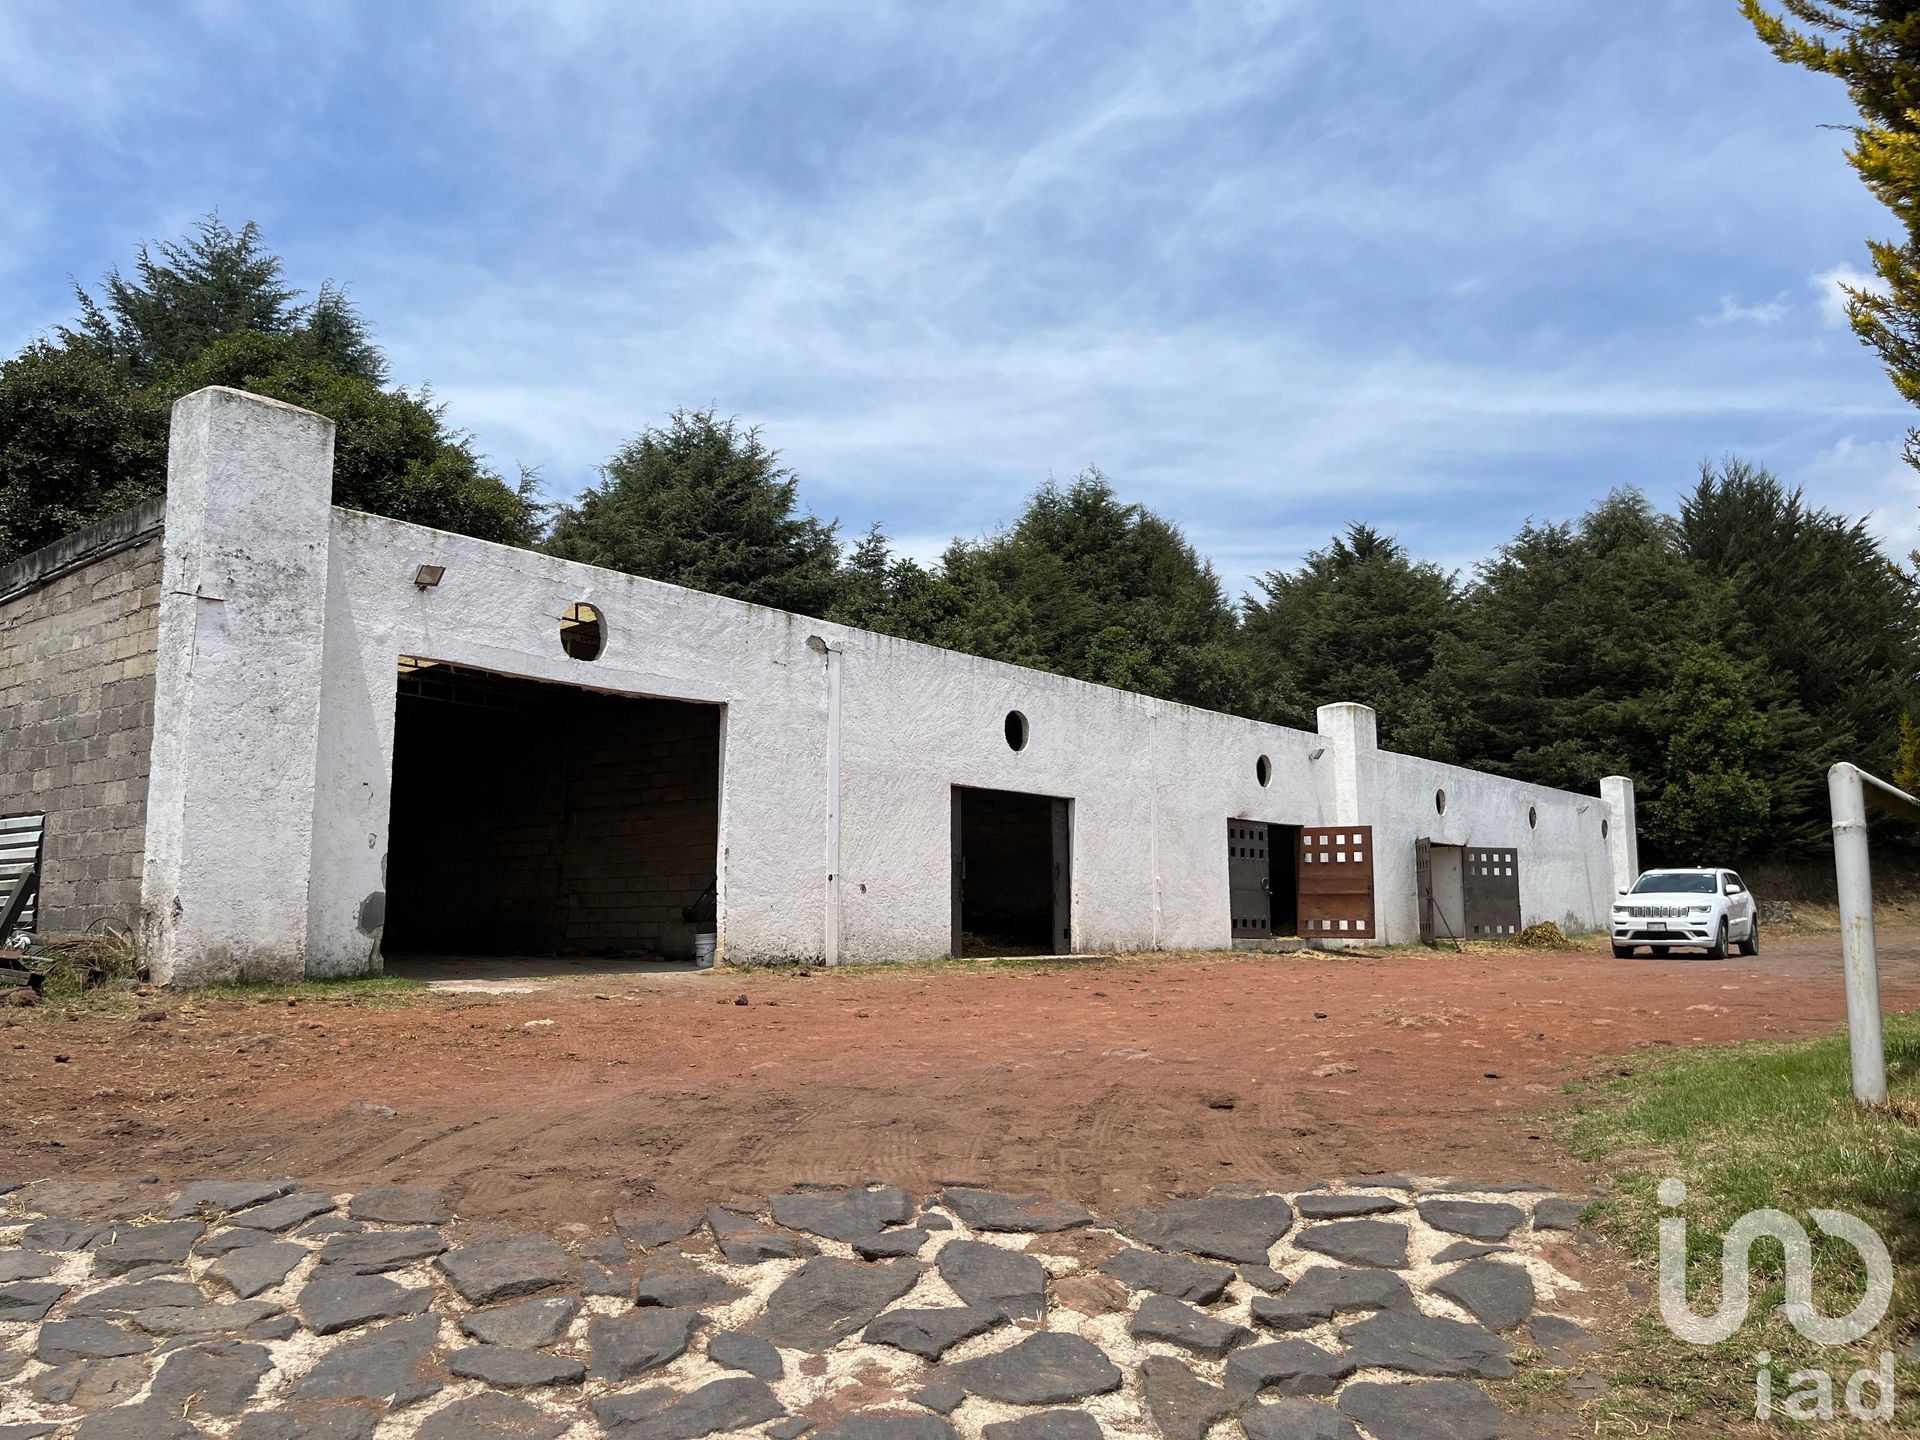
{"points": [[1336, 882], [1247, 880], [1491, 881]]}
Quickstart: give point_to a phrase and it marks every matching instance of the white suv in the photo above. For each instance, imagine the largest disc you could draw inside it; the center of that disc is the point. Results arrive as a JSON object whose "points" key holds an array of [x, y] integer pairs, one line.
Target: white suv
{"points": [[1681, 909]]}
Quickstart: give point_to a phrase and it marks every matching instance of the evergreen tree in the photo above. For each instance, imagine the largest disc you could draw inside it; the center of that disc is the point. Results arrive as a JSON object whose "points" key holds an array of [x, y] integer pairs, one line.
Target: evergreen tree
{"points": [[393, 454], [76, 445], [703, 502], [1088, 586], [1826, 611], [1712, 800], [187, 295], [1873, 47], [1359, 620], [83, 418]]}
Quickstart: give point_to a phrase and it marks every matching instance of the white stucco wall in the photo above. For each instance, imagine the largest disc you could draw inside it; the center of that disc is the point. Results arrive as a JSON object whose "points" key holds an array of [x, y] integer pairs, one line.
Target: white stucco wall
{"points": [[1152, 784], [237, 689]]}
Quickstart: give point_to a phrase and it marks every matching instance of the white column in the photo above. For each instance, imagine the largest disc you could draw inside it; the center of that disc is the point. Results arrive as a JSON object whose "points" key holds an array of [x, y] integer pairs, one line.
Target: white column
{"points": [[1353, 737], [237, 690], [1623, 831]]}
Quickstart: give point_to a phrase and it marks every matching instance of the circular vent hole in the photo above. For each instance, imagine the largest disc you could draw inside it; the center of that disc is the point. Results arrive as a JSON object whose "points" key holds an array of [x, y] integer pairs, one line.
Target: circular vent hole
{"points": [[581, 632], [1263, 770], [1533, 817], [1016, 730], [1440, 802]]}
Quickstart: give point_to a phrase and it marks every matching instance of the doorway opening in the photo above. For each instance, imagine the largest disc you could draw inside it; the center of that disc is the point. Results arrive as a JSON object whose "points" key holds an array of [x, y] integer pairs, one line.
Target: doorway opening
{"points": [[1283, 879], [1443, 908], [1263, 877], [537, 819], [1012, 873]]}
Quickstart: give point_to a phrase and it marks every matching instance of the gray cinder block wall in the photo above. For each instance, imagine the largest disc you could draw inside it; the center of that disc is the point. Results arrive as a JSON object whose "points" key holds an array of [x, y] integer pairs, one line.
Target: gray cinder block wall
{"points": [[79, 629]]}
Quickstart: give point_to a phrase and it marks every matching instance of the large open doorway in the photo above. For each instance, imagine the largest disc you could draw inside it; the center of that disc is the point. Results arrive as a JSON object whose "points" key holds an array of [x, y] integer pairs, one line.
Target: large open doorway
{"points": [[1263, 876], [531, 818], [1012, 873]]}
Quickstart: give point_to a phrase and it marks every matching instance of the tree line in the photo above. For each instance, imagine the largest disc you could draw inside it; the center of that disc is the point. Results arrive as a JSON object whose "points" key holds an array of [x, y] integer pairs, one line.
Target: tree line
{"points": [[1723, 652]]}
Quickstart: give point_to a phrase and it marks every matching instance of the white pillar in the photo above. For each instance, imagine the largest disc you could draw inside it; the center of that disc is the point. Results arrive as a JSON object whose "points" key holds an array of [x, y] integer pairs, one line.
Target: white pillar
{"points": [[237, 690], [1353, 738], [1853, 870], [1623, 831]]}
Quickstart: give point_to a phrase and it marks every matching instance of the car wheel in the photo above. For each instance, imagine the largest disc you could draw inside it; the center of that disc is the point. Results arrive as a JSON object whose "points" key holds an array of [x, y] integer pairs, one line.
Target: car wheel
{"points": [[1751, 945], [1623, 952], [1719, 950]]}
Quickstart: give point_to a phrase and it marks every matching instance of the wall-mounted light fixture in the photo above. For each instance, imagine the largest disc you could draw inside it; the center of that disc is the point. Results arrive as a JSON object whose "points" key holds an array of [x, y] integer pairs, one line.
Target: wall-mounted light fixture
{"points": [[428, 576], [1316, 752], [1583, 807]]}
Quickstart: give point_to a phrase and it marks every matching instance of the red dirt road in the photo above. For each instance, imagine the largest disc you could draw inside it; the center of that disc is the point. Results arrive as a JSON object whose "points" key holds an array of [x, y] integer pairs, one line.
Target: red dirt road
{"points": [[1108, 1083]]}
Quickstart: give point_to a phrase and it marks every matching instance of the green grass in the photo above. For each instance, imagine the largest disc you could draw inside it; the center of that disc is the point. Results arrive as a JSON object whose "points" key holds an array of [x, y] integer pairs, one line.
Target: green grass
{"points": [[1750, 1127], [351, 990], [65, 997]]}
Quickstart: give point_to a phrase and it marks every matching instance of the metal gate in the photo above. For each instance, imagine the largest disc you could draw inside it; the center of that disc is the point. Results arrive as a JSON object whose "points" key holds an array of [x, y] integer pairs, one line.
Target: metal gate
{"points": [[1247, 880], [1336, 882], [19, 871], [1492, 884]]}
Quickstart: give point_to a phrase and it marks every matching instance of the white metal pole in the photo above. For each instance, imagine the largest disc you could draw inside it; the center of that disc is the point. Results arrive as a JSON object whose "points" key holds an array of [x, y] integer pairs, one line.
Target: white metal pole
{"points": [[1853, 872], [833, 808]]}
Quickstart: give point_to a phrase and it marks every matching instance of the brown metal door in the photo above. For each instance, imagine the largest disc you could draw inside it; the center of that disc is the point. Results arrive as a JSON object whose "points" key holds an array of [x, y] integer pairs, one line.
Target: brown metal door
{"points": [[1491, 880], [1247, 884], [1336, 882]]}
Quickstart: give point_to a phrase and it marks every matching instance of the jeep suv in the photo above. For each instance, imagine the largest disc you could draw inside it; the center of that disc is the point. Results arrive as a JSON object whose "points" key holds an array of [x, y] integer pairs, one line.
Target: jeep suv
{"points": [[1687, 909]]}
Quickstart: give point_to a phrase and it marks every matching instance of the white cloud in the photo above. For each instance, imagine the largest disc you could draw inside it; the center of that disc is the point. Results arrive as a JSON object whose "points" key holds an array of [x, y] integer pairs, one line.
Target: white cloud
{"points": [[1731, 312], [1833, 286]]}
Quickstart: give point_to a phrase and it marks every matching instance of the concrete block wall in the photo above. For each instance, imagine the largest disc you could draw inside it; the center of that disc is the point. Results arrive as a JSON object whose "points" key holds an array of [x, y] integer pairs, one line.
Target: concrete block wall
{"points": [[554, 820], [79, 629], [643, 824]]}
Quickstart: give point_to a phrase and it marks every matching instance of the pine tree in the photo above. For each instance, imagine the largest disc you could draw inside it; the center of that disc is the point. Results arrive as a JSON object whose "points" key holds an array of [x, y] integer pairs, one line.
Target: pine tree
{"points": [[1873, 47], [703, 502], [1359, 620], [83, 419]]}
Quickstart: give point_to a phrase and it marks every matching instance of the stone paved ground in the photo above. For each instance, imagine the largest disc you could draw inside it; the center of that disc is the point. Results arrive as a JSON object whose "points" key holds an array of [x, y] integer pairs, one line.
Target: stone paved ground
{"points": [[1393, 1309]]}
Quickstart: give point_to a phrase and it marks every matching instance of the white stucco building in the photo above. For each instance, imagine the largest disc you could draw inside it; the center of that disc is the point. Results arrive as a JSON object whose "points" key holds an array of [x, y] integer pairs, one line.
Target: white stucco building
{"points": [[371, 738]]}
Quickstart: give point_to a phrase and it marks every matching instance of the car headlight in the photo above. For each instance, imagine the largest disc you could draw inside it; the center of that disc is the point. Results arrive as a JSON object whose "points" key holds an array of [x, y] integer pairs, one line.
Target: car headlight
{"points": [[1701, 909]]}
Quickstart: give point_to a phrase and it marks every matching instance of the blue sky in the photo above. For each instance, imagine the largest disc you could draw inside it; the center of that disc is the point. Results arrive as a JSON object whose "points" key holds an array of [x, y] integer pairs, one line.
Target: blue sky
{"points": [[1273, 267]]}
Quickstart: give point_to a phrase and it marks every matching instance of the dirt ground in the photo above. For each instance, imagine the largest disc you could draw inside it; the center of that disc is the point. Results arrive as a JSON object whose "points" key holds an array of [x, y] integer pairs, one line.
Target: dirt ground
{"points": [[1108, 1083]]}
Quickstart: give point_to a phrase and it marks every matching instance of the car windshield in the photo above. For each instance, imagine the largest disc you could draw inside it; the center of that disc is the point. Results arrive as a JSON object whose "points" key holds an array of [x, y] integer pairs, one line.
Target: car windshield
{"points": [[1670, 884]]}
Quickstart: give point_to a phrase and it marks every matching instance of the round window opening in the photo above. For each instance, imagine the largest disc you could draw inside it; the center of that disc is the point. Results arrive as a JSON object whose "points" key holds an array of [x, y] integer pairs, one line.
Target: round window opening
{"points": [[1439, 802], [1263, 770], [581, 632], [1606, 829], [1016, 730], [1533, 817]]}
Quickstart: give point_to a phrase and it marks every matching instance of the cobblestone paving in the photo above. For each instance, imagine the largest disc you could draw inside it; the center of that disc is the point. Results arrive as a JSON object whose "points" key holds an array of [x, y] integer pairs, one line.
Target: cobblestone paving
{"points": [[263, 1311]]}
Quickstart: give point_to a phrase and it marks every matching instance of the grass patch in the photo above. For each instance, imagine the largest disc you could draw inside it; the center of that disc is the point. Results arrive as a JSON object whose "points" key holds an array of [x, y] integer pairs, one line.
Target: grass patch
{"points": [[347, 990], [1750, 1127]]}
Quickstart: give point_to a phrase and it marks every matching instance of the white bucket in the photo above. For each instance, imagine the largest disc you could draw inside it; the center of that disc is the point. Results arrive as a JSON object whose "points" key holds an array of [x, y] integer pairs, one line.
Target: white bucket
{"points": [[703, 951]]}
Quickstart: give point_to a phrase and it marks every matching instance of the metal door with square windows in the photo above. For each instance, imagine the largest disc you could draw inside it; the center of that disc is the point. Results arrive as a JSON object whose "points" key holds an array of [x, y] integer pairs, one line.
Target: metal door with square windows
{"points": [[1491, 882], [1248, 880], [1336, 882]]}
